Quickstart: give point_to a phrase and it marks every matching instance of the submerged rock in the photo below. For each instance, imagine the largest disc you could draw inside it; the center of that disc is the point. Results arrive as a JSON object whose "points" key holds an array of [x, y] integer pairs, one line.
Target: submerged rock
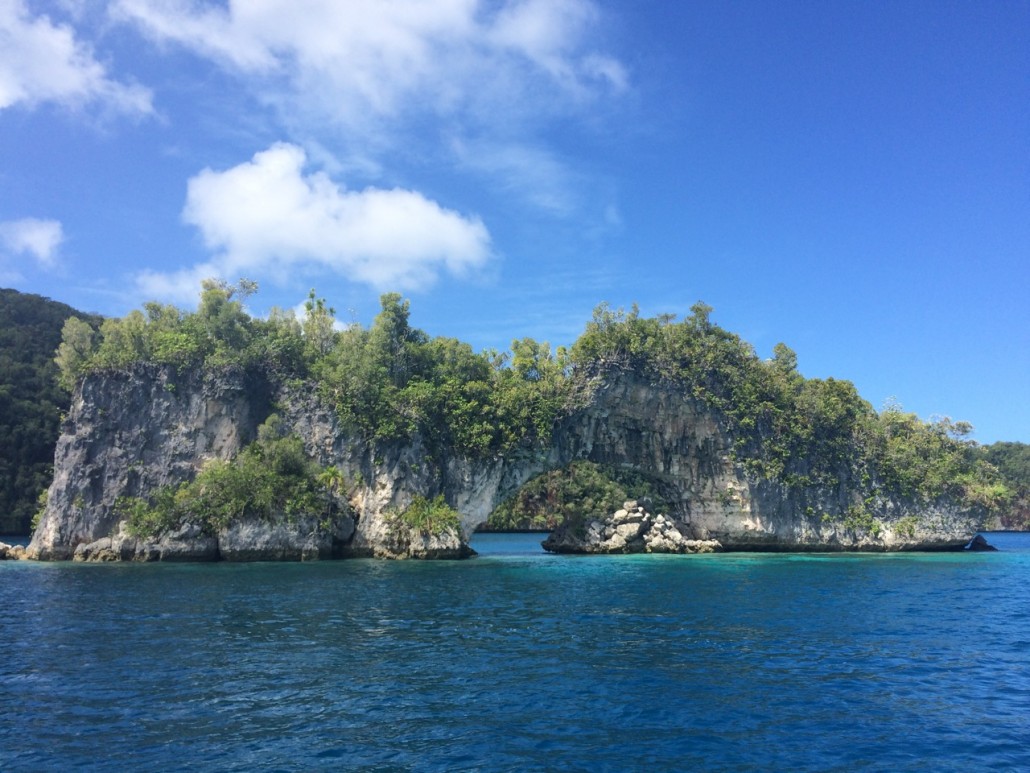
{"points": [[631, 529]]}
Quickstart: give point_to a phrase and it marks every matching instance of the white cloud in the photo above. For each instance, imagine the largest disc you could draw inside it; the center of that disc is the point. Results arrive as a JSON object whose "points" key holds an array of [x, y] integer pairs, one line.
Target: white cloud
{"points": [[365, 61], [267, 218], [38, 239], [43, 62]]}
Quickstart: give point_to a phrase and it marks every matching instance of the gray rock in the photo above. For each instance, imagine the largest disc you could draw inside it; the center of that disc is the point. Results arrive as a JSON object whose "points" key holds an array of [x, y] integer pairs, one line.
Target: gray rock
{"points": [[186, 544], [647, 534], [299, 539]]}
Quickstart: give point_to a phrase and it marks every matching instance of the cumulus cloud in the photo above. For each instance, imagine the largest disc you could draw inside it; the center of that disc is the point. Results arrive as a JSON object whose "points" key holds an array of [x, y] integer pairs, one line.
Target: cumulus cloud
{"points": [[44, 62], [362, 61], [268, 218], [37, 239]]}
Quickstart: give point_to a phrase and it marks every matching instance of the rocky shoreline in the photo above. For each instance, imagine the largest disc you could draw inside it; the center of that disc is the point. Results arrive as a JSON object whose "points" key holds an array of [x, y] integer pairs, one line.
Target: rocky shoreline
{"points": [[300, 539]]}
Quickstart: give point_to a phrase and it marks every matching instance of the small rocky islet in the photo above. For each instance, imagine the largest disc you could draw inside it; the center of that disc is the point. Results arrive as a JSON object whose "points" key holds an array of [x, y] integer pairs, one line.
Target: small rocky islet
{"points": [[631, 529]]}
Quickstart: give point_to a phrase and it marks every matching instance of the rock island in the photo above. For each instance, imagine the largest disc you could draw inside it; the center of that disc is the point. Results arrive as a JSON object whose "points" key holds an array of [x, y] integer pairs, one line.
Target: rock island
{"points": [[212, 435]]}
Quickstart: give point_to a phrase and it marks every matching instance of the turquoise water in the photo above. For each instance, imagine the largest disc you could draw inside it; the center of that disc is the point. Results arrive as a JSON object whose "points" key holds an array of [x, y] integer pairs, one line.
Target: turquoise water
{"points": [[519, 660]]}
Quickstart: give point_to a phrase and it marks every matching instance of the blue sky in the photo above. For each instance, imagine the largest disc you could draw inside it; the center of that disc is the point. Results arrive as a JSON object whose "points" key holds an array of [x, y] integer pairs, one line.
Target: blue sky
{"points": [[850, 178]]}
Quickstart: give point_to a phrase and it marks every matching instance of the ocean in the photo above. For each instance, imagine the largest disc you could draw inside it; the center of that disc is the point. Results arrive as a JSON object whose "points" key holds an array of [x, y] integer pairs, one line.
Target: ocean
{"points": [[523, 661]]}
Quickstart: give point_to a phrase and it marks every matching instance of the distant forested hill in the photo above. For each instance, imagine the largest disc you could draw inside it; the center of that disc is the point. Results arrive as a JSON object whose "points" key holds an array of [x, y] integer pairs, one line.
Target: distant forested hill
{"points": [[31, 401]]}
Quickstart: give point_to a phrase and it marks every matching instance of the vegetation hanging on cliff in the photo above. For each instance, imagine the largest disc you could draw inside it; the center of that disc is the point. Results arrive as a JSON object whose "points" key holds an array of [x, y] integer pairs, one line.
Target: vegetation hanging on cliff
{"points": [[790, 429], [392, 382], [387, 382], [1013, 462], [270, 478]]}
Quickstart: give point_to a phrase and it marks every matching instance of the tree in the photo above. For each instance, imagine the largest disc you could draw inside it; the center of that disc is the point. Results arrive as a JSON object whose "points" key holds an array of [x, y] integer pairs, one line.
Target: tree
{"points": [[391, 338], [77, 343], [222, 317], [784, 360], [700, 316], [319, 333]]}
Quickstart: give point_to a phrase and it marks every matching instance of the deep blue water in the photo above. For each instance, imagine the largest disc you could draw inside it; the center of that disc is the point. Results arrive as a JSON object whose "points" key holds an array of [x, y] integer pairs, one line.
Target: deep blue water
{"points": [[519, 660]]}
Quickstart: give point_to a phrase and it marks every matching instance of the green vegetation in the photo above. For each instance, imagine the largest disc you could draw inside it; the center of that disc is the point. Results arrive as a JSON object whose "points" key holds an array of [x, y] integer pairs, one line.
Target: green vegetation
{"points": [[790, 429], [857, 518], [220, 334], [429, 517], [270, 478], [31, 401], [388, 382], [576, 493], [906, 527], [1013, 462], [393, 383]]}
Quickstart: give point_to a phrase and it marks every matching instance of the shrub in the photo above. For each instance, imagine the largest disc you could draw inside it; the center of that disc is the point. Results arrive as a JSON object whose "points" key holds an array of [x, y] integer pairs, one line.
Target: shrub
{"points": [[429, 516]]}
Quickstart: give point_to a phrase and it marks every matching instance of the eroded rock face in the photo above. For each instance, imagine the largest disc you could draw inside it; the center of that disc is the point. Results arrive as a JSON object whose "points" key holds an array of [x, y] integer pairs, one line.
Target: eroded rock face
{"points": [[130, 433]]}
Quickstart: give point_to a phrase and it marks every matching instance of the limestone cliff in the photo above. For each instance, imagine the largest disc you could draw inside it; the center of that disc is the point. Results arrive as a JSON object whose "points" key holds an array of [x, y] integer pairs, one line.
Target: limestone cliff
{"points": [[129, 433]]}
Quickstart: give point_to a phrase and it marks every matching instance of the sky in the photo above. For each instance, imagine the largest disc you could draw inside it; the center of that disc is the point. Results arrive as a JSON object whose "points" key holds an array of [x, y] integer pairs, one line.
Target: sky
{"points": [[850, 178]]}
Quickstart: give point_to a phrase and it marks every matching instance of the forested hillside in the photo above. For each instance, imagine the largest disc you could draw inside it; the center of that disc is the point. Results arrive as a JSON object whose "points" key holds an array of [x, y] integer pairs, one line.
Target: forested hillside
{"points": [[31, 401]]}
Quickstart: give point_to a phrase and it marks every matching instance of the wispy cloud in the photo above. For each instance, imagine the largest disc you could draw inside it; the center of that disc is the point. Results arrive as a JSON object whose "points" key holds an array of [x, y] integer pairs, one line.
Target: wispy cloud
{"points": [[29, 237], [365, 59], [533, 174], [44, 62], [269, 218]]}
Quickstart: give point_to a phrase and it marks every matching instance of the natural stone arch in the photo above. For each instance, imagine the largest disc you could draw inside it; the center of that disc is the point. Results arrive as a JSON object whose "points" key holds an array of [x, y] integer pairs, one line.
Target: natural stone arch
{"points": [[625, 422]]}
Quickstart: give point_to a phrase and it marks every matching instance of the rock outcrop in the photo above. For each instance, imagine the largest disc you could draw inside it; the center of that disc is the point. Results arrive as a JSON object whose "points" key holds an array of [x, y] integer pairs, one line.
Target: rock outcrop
{"points": [[129, 433], [11, 552], [979, 544], [633, 529]]}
